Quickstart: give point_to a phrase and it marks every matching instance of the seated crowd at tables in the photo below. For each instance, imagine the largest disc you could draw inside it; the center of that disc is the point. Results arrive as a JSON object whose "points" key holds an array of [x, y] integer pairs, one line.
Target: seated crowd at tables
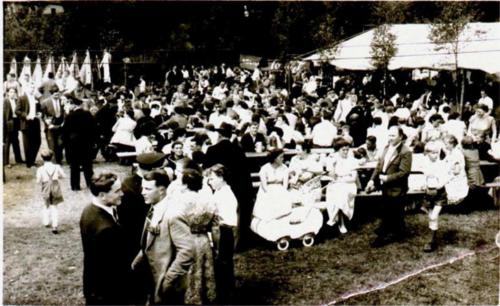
{"points": [[205, 118]]}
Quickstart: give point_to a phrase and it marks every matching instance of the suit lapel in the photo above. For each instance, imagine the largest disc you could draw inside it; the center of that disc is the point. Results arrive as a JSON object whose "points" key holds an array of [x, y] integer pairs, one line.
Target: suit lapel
{"points": [[150, 237], [394, 155]]}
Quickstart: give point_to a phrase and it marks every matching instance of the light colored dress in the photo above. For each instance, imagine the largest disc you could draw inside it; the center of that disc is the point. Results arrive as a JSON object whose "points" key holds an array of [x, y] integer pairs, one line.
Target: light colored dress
{"points": [[340, 196], [305, 187], [124, 132], [275, 201], [457, 187], [201, 276]]}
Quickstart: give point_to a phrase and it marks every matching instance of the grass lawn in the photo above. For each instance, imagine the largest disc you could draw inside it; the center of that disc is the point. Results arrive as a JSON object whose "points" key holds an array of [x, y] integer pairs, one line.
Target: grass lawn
{"points": [[43, 268]]}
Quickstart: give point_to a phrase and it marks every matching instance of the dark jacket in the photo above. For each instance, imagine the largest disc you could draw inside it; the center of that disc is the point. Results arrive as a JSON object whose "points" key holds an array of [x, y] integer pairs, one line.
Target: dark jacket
{"points": [[397, 172], [79, 135], [248, 143], [22, 111], [105, 268]]}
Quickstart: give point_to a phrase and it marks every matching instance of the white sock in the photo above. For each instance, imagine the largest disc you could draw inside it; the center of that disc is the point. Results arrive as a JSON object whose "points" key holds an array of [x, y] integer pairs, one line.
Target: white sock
{"points": [[54, 216], [45, 216]]}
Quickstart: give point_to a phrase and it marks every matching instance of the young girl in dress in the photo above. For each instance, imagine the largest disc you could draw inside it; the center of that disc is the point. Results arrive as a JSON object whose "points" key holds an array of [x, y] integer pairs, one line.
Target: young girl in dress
{"points": [[48, 177]]}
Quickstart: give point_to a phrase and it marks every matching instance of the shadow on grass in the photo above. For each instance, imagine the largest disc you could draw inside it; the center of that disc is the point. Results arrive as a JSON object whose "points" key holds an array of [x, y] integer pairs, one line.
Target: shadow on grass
{"points": [[254, 291]]}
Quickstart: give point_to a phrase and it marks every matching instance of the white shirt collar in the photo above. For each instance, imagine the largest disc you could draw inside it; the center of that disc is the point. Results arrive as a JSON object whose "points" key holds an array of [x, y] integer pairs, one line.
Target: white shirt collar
{"points": [[98, 203]]}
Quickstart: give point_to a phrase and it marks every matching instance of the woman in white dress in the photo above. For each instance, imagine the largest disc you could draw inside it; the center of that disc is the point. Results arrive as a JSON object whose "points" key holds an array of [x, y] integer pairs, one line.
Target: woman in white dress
{"points": [[123, 138], [273, 199], [342, 189]]}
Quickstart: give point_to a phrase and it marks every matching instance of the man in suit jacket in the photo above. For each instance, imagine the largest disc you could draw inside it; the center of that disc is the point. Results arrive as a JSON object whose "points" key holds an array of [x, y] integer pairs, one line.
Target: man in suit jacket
{"points": [[132, 213], [11, 126], [79, 135], [27, 111], [53, 119], [391, 176], [167, 246], [106, 270]]}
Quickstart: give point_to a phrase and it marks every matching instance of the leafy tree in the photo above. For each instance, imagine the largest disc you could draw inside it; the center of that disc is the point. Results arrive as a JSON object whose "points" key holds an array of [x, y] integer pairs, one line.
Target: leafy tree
{"points": [[446, 30], [383, 48]]}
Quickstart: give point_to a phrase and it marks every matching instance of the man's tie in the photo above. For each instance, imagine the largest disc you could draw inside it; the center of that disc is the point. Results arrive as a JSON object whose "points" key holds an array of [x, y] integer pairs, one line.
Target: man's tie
{"points": [[115, 215], [147, 224], [57, 108]]}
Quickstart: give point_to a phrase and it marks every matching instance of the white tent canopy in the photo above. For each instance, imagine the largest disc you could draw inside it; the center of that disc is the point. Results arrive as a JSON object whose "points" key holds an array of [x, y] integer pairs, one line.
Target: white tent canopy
{"points": [[479, 48]]}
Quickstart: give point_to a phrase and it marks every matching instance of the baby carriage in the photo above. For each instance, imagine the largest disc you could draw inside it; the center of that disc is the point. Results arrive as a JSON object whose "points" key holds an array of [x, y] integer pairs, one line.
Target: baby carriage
{"points": [[301, 221]]}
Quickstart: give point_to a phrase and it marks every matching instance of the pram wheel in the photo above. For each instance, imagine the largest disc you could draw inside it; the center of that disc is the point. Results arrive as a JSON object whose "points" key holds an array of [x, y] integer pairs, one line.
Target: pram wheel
{"points": [[283, 244], [308, 240]]}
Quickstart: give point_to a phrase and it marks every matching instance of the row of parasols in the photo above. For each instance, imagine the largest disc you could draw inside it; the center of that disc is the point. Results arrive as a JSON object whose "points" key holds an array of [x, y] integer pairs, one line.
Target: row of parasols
{"points": [[65, 69]]}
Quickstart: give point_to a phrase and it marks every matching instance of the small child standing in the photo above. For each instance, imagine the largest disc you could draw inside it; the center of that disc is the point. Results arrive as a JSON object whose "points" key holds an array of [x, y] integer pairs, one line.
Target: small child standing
{"points": [[48, 176], [436, 177]]}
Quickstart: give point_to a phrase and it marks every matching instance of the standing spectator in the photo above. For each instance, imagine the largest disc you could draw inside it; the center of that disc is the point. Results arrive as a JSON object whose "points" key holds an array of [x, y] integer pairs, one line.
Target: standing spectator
{"points": [[232, 157], [167, 248], [53, 118], [485, 100], [391, 175], [11, 127], [105, 268], [48, 177], [12, 83], [79, 135], [132, 214], [200, 216], [47, 87], [226, 208], [28, 112]]}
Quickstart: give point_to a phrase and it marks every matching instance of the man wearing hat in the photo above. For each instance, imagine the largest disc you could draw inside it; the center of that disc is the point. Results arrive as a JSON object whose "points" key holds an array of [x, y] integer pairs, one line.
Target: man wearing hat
{"points": [[79, 136], [132, 214], [53, 119], [232, 157]]}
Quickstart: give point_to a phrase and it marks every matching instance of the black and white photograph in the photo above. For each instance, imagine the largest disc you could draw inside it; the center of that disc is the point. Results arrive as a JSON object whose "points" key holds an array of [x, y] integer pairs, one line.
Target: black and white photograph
{"points": [[251, 152]]}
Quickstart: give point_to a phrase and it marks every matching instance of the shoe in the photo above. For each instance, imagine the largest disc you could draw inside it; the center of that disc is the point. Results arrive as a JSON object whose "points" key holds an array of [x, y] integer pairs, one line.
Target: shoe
{"points": [[47, 225], [342, 229], [55, 231], [9, 166], [430, 247], [330, 223]]}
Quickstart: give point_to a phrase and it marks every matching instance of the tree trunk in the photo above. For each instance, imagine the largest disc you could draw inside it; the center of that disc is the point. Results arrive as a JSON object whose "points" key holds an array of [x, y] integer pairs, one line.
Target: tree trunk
{"points": [[462, 92]]}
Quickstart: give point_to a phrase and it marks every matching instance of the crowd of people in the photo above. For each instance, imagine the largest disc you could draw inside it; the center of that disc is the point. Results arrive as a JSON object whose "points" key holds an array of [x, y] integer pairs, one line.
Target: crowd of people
{"points": [[168, 230]]}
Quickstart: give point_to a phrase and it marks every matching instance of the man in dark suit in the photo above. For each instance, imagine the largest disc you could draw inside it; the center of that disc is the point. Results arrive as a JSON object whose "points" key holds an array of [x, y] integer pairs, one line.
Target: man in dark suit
{"points": [[28, 112], [391, 176], [250, 139], [53, 118], [105, 267], [11, 126], [79, 135], [232, 157]]}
